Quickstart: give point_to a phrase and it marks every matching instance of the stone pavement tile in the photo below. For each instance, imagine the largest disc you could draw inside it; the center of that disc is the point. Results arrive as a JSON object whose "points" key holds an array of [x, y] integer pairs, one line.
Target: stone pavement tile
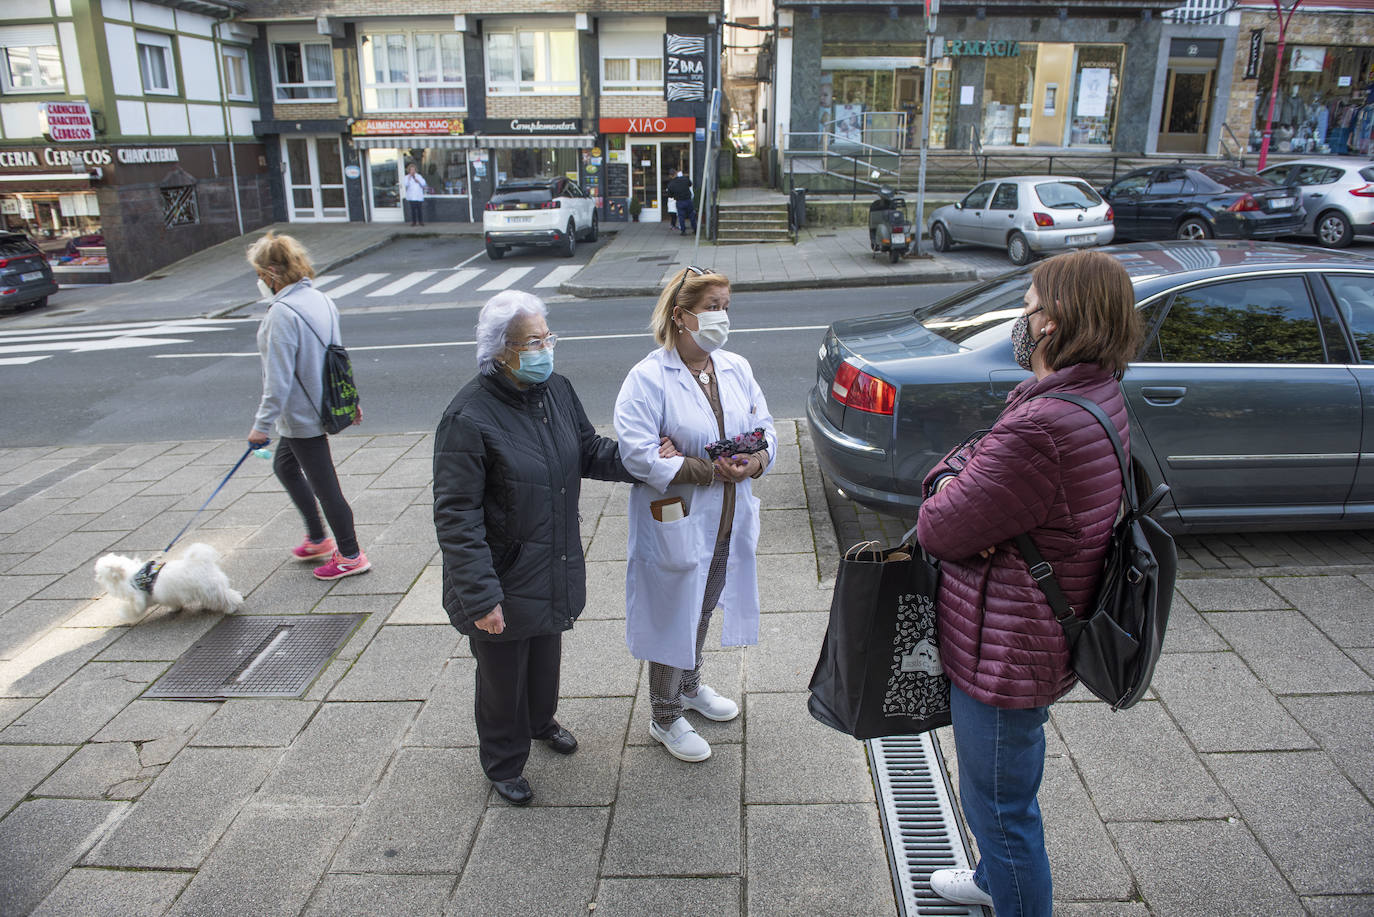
{"points": [[155, 469], [340, 756], [1165, 780], [596, 662], [372, 460], [1341, 724], [401, 663], [610, 539], [25, 623], [1339, 605], [135, 454], [82, 483], [285, 851], [248, 568], [605, 590], [787, 582], [1227, 872], [78, 583], [395, 567], [1100, 908], [788, 460], [590, 775], [16, 589], [44, 533], [383, 506], [1221, 706], [251, 721], [593, 497], [289, 590], [161, 635], [76, 550], [701, 803], [1315, 825], [659, 897], [27, 512], [180, 817], [1189, 632], [562, 841], [791, 758], [12, 707], [1340, 906], [424, 603], [723, 670], [11, 560], [1290, 655], [446, 719], [781, 491], [112, 893], [160, 727], [104, 612], [41, 840], [1230, 595], [83, 704], [423, 817], [414, 526], [819, 860], [252, 508], [105, 498], [326, 680], [380, 896], [100, 770], [406, 473], [130, 514], [23, 767], [785, 656], [785, 531], [153, 535], [1083, 861], [374, 607]]}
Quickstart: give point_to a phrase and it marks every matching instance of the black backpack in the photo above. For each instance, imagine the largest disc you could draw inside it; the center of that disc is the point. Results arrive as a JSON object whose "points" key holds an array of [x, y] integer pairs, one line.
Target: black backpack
{"points": [[1114, 648], [338, 409]]}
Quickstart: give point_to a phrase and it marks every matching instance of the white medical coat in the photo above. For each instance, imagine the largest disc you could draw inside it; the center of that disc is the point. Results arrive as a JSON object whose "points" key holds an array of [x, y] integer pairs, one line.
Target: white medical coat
{"points": [[669, 561]]}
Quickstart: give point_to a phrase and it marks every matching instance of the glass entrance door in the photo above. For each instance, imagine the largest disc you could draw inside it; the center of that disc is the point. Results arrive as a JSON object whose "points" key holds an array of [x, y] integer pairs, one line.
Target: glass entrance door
{"points": [[674, 157], [1187, 112], [646, 181], [384, 185], [314, 179]]}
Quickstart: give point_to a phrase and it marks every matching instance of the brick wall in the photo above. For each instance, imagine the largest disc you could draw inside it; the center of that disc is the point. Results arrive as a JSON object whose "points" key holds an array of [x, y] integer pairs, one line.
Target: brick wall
{"points": [[534, 106], [297, 111], [263, 10], [633, 107]]}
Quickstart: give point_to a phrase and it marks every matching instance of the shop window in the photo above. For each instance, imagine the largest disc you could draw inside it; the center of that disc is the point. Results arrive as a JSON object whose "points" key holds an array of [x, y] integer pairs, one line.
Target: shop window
{"points": [[179, 206], [156, 64], [1096, 83], [1322, 105], [632, 74], [303, 70], [31, 67], [532, 62], [402, 71], [535, 163], [236, 82]]}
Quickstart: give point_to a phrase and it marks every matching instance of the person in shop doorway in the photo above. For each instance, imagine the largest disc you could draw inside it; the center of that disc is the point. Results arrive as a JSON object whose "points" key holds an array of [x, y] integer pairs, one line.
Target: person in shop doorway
{"points": [[680, 190], [415, 189]]}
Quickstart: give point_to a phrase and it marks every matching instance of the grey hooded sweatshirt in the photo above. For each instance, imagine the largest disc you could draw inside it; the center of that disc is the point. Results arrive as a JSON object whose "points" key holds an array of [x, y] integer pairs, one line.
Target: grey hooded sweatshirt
{"points": [[293, 360]]}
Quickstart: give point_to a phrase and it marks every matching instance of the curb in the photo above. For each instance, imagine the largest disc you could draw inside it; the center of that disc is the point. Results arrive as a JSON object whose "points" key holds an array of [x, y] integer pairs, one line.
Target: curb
{"points": [[952, 275]]}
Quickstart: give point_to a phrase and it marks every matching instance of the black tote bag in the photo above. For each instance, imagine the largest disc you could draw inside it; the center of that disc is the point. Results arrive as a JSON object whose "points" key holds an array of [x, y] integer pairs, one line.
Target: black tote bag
{"points": [[879, 672]]}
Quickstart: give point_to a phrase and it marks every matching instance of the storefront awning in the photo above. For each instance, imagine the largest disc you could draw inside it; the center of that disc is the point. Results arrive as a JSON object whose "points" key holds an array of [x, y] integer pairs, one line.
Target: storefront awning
{"points": [[525, 141], [412, 142], [45, 181]]}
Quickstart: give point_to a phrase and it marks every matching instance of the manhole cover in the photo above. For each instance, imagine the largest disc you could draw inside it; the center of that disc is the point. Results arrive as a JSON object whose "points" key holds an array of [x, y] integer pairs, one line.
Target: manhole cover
{"points": [[256, 656], [65, 312], [655, 258]]}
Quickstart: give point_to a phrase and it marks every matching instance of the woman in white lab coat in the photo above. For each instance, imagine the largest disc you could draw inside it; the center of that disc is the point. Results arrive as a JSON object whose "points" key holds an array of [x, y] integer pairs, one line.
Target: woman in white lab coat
{"points": [[694, 523]]}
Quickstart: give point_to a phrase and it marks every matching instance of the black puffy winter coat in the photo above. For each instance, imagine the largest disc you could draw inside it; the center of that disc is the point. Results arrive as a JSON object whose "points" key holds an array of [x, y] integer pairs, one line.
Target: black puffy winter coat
{"points": [[508, 465]]}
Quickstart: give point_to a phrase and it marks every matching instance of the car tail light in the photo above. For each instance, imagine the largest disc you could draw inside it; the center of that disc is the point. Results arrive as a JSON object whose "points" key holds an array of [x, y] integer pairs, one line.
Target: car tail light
{"points": [[856, 389], [1245, 203], [1366, 191], [550, 205], [5, 262], [1043, 219], [9, 291], [490, 206], [1111, 215]]}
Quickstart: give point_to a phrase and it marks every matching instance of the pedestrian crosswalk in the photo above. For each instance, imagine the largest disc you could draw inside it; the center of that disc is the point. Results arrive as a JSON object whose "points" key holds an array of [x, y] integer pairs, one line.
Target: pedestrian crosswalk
{"points": [[30, 345], [474, 282]]}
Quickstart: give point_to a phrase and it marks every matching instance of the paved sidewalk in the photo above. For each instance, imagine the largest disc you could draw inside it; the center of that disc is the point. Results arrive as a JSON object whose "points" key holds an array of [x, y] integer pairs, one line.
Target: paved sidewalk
{"points": [[1242, 787]]}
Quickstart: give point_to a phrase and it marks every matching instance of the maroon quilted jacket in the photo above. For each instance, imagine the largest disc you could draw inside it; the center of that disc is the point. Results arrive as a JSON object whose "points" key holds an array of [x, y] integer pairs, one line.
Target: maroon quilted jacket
{"points": [[1046, 468]]}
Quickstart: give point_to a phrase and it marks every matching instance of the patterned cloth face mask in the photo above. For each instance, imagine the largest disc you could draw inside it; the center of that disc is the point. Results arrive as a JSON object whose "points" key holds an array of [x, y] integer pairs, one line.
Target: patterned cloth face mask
{"points": [[1022, 346]]}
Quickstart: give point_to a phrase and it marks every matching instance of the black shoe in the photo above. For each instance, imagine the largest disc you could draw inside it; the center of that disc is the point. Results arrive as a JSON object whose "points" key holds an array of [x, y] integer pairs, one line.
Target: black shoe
{"points": [[562, 741], [515, 791]]}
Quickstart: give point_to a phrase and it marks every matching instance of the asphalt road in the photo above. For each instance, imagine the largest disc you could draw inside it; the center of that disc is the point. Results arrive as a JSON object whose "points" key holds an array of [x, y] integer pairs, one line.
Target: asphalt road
{"points": [[200, 379]]}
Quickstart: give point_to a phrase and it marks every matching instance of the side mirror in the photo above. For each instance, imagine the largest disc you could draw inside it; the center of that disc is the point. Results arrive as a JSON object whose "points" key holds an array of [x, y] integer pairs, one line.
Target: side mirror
{"points": [[958, 205]]}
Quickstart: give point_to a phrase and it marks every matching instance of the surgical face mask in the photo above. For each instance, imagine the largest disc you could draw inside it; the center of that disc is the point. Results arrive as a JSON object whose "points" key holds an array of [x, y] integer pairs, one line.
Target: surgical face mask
{"points": [[1022, 346], [712, 330], [265, 290], [535, 366]]}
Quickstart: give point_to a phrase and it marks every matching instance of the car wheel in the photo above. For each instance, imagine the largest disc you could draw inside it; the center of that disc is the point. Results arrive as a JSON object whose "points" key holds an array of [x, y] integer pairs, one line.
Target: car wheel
{"points": [[939, 237], [1193, 229], [495, 253], [1333, 230], [591, 236], [570, 240], [1018, 249]]}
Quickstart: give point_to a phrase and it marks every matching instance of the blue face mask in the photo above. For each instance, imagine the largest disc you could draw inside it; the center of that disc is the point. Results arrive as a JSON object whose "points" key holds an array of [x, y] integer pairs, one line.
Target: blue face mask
{"points": [[535, 366]]}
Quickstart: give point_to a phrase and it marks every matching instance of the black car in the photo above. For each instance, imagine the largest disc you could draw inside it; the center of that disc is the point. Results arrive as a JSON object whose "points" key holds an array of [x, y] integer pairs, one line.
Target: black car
{"points": [[1213, 200], [1250, 397], [25, 277]]}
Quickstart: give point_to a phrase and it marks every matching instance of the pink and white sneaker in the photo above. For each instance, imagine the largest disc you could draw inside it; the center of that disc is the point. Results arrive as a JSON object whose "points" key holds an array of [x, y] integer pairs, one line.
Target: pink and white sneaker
{"points": [[340, 566], [313, 550]]}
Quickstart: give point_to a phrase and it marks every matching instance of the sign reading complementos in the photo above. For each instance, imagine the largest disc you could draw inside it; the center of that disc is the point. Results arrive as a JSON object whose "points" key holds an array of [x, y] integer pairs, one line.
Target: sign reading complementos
{"points": [[69, 122], [684, 68]]}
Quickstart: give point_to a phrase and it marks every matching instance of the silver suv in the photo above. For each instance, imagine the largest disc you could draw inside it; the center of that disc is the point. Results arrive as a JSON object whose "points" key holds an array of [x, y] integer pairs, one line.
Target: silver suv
{"points": [[1337, 193], [538, 211]]}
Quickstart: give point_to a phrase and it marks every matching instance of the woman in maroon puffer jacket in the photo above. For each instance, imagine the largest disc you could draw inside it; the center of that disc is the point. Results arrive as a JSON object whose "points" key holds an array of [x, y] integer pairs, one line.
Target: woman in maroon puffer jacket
{"points": [[1046, 468]]}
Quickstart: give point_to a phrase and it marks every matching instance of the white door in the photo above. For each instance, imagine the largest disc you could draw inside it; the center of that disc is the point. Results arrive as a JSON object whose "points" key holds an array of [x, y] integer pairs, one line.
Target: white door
{"points": [[384, 185], [314, 179]]}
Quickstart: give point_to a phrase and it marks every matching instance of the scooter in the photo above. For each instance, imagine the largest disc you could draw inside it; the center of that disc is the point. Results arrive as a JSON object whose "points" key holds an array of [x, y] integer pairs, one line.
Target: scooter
{"points": [[888, 228]]}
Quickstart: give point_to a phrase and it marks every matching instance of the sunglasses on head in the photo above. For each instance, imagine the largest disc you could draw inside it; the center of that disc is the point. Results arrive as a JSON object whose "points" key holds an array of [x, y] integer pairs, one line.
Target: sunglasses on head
{"points": [[698, 271]]}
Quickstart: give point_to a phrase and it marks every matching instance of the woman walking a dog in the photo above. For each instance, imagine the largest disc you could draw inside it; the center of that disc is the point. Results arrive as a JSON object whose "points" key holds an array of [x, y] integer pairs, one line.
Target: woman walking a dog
{"points": [[300, 323]]}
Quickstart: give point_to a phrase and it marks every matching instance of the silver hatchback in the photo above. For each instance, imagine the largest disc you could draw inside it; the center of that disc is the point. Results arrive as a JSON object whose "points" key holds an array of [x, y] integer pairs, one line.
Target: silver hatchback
{"points": [[1338, 194], [1025, 215]]}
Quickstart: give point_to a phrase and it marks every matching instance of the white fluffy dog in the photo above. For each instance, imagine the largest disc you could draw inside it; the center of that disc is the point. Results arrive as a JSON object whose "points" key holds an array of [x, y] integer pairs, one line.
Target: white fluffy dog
{"points": [[193, 580]]}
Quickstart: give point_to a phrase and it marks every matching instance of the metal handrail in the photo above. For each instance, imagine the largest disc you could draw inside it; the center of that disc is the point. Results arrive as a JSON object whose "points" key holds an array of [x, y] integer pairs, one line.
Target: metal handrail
{"points": [[1240, 150], [868, 129]]}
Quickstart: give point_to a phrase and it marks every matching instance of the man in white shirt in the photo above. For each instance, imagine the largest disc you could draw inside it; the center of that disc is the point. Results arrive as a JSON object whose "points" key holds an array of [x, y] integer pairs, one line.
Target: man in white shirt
{"points": [[414, 187]]}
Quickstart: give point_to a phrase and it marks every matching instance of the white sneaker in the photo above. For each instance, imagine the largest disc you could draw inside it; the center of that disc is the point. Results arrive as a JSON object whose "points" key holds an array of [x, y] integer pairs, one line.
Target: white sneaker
{"points": [[681, 740], [711, 705], [957, 885]]}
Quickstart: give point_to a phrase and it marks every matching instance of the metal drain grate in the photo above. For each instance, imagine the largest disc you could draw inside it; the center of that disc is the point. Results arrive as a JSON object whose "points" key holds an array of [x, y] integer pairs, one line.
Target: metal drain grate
{"points": [[256, 656], [667, 257], [919, 826]]}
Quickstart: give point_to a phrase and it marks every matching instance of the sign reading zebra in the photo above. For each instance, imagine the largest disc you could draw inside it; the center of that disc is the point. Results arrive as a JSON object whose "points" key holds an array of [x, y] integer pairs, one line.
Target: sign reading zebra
{"points": [[684, 68]]}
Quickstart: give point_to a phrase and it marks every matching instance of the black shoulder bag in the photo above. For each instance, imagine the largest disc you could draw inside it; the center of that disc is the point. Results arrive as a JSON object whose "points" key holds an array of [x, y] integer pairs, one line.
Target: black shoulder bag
{"points": [[338, 408]]}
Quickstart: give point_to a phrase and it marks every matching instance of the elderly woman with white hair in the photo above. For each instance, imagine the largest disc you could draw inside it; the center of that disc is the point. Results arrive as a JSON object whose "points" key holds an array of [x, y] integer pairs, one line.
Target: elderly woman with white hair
{"points": [[509, 456]]}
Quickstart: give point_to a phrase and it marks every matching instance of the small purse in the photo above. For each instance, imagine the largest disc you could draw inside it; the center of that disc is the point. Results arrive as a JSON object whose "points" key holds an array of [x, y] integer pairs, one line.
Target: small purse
{"points": [[744, 444]]}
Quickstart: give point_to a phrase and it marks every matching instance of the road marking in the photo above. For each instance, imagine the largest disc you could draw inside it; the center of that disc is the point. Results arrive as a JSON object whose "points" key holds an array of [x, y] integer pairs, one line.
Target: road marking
{"points": [[20, 361], [324, 280], [405, 283], [454, 281], [119, 343], [556, 276], [356, 284], [504, 279], [468, 261], [180, 324], [36, 338]]}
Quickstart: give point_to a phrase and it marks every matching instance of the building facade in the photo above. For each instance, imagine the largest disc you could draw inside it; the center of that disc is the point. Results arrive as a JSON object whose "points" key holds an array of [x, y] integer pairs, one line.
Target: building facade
{"points": [[126, 136]]}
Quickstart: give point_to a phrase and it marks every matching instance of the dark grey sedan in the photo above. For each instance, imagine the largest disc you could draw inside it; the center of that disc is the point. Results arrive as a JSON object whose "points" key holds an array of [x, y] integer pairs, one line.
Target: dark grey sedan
{"points": [[1252, 397]]}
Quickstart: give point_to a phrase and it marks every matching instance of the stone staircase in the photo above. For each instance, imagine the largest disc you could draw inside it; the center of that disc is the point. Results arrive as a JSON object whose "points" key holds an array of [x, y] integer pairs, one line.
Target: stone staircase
{"points": [[752, 221]]}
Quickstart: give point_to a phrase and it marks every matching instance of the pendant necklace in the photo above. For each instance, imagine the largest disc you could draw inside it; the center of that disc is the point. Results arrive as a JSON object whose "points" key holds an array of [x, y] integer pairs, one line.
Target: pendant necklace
{"points": [[702, 374]]}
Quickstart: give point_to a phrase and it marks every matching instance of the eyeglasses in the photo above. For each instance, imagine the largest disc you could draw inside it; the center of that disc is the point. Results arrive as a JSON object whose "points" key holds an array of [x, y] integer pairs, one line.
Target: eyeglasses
{"points": [[697, 271], [547, 342]]}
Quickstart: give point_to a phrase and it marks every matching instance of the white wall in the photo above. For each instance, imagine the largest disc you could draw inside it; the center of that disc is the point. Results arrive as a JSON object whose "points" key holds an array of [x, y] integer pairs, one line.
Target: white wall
{"points": [[63, 7], [159, 17], [119, 39], [198, 69], [24, 9], [242, 118], [71, 59], [115, 9], [194, 23], [206, 120], [133, 117], [166, 119], [21, 120]]}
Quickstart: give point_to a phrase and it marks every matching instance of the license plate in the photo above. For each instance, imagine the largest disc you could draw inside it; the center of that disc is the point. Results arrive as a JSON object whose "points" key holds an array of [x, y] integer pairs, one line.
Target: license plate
{"points": [[519, 219], [32, 275], [1087, 238], [898, 238], [1280, 203]]}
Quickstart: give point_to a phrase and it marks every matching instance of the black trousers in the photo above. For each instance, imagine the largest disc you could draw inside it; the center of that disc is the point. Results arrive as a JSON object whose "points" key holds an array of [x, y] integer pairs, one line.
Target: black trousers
{"points": [[517, 697], [415, 212], [306, 469]]}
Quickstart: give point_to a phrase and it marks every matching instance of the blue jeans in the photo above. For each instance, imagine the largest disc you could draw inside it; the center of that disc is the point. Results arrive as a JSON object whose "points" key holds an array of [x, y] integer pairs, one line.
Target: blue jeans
{"points": [[1001, 760], [685, 215]]}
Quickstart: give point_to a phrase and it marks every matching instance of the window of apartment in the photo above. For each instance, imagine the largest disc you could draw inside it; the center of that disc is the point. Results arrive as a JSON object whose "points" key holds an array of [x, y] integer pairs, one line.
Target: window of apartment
{"points": [[156, 64], [29, 67], [525, 61], [632, 74], [631, 58], [303, 70], [405, 70], [236, 83]]}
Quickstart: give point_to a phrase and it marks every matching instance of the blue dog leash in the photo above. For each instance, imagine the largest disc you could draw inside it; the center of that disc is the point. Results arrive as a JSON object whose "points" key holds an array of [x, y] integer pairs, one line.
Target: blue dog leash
{"points": [[252, 447]]}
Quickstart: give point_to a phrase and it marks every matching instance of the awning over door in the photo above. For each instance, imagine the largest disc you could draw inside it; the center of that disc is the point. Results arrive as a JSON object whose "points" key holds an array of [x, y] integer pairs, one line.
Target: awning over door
{"points": [[46, 181], [523, 141], [411, 142]]}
